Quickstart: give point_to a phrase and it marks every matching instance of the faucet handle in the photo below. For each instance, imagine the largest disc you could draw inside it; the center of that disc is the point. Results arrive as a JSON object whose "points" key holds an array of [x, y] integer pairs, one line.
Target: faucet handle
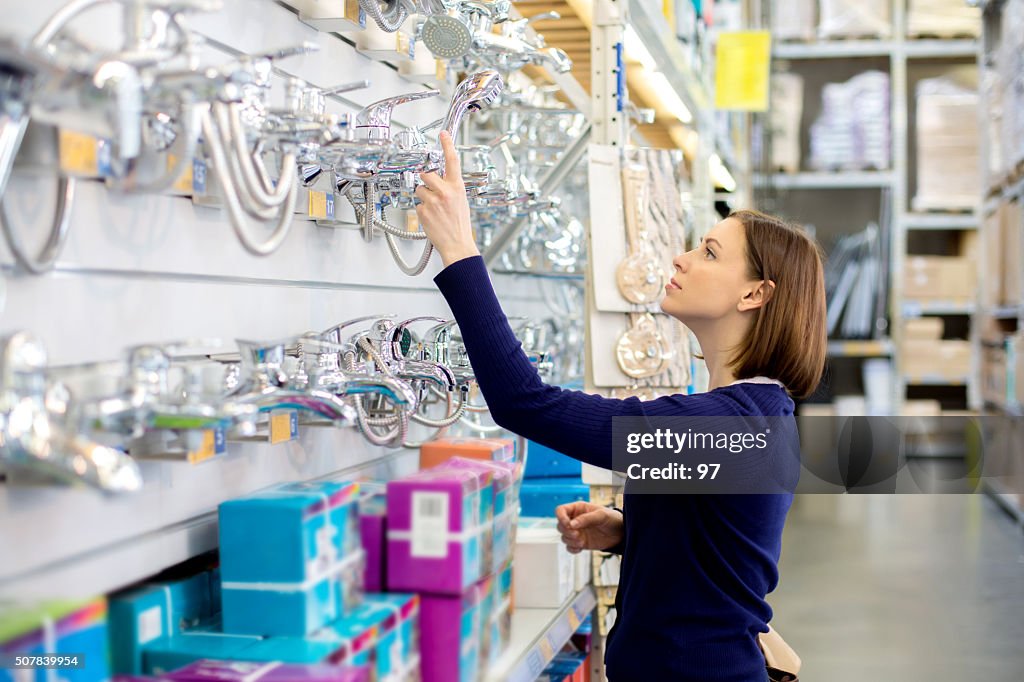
{"points": [[543, 16], [347, 87], [376, 117]]}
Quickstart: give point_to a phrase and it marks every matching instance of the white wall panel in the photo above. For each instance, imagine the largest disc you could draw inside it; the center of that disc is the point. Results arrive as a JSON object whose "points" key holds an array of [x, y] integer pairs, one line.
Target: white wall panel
{"points": [[150, 268]]}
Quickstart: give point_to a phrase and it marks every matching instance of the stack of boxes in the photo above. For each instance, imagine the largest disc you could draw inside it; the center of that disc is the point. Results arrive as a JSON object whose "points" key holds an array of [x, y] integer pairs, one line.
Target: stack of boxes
{"points": [[449, 537], [289, 590], [925, 354], [855, 19], [853, 131], [942, 19], [948, 140]]}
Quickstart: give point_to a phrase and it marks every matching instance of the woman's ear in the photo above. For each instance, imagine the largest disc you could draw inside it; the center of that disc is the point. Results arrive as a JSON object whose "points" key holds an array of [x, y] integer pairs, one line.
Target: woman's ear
{"points": [[757, 295]]}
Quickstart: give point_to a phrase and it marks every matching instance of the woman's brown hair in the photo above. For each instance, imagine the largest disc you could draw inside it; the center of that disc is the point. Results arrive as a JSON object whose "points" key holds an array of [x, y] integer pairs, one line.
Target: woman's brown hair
{"points": [[788, 339]]}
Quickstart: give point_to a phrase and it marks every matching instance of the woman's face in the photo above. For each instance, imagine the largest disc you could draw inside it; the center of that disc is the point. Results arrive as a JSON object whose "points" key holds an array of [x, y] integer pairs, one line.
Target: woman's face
{"points": [[710, 281]]}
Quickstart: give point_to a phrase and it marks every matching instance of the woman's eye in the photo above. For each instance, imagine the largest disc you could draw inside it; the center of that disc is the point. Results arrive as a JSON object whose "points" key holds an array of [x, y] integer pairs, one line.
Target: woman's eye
{"points": [[708, 252]]}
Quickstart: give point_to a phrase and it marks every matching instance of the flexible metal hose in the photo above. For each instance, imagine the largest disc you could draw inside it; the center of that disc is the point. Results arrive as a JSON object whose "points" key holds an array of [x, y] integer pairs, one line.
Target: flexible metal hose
{"points": [[469, 407], [231, 197], [390, 232], [388, 22]]}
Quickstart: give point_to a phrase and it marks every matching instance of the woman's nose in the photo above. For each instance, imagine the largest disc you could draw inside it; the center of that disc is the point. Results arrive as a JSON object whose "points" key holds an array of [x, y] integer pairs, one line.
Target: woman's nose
{"points": [[681, 261]]}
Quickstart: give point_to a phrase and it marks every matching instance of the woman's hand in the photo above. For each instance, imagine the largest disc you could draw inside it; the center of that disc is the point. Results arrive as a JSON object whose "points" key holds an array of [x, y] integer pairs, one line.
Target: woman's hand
{"points": [[589, 526], [444, 208]]}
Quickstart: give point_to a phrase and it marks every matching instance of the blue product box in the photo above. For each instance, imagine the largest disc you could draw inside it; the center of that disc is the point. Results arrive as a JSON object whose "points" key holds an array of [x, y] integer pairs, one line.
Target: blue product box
{"points": [[540, 497], [154, 612], [291, 558], [323, 646], [543, 462], [396, 618], [293, 609], [175, 652], [289, 533], [61, 628]]}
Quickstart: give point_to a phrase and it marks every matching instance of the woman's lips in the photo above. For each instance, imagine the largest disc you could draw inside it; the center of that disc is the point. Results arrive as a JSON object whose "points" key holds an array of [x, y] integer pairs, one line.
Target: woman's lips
{"points": [[672, 285]]}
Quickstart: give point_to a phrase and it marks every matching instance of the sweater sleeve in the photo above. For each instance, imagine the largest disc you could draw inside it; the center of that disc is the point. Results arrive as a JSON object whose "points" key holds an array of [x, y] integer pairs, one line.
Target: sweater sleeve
{"points": [[572, 422]]}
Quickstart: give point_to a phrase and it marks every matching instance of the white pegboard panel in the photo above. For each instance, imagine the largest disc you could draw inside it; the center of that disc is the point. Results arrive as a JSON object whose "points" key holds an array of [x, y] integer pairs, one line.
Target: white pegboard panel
{"points": [[144, 268]]}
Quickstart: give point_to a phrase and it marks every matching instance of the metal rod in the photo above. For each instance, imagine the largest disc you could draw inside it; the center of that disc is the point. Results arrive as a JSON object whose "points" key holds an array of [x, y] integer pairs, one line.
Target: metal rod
{"points": [[559, 172]]}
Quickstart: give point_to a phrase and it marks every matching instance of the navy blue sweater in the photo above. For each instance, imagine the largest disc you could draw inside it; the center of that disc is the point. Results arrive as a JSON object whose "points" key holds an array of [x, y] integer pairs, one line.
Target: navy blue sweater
{"points": [[696, 568]]}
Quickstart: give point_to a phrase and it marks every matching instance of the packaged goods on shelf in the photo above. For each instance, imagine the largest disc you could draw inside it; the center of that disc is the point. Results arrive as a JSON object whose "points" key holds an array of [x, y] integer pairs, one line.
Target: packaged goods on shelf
{"points": [[582, 564], [855, 19], [291, 558], [503, 477], [877, 376], [373, 506], [786, 113], [61, 628], [1013, 269], [545, 571], [855, 284], [178, 651], [331, 16], [441, 450], [435, 531], [853, 131], [539, 497], [210, 670], [794, 19], [1010, 62], [948, 146], [945, 278], [994, 258], [943, 19], [495, 623], [564, 667], [923, 329], [144, 616], [543, 462], [452, 634], [949, 359], [994, 375], [992, 92]]}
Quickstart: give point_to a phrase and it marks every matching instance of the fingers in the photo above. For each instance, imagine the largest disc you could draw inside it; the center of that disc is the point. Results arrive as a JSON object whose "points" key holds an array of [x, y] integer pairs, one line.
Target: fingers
{"points": [[432, 180], [452, 166], [591, 518], [563, 515]]}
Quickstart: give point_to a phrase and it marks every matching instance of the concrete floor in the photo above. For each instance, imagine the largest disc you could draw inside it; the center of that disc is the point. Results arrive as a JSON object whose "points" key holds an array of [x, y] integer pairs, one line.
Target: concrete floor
{"points": [[902, 588]]}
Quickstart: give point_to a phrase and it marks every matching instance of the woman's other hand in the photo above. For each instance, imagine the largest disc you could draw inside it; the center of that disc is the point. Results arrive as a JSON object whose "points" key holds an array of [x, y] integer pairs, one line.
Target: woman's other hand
{"points": [[589, 526], [444, 208]]}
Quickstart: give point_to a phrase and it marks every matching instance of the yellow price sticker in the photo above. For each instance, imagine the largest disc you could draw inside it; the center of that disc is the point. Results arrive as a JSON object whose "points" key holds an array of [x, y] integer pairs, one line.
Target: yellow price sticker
{"points": [[282, 427], [547, 650], [412, 222], [317, 204], [206, 450], [574, 621], [78, 154], [441, 70], [184, 182]]}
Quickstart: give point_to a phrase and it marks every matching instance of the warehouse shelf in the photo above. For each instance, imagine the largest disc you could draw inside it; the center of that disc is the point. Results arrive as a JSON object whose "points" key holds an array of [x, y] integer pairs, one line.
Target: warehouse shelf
{"points": [[940, 49], [1003, 312], [935, 380], [919, 308], [833, 49], [860, 348], [940, 221], [830, 180], [539, 634]]}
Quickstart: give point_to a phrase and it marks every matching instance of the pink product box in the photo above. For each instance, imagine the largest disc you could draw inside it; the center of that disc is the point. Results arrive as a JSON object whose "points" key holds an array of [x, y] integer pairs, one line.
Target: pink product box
{"points": [[451, 631], [434, 532], [506, 505], [242, 671], [372, 530]]}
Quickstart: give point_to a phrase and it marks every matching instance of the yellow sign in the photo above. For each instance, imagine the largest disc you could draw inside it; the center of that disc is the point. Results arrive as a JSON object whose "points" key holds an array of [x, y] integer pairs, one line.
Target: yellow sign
{"points": [[742, 70], [317, 204], [281, 427], [184, 182], [205, 451], [78, 154]]}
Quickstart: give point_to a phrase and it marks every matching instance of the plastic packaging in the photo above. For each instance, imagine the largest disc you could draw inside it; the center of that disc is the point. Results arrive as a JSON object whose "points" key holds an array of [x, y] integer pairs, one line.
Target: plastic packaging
{"points": [[853, 131], [855, 19]]}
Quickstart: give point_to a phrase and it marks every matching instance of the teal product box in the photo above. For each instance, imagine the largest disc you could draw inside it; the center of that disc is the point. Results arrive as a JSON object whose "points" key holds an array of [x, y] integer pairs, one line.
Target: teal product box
{"points": [[175, 652], [450, 632], [293, 609], [323, 646], [291, 558], [59, 628], [148, 614], [543, 462], [395, 617], [539, 497]]}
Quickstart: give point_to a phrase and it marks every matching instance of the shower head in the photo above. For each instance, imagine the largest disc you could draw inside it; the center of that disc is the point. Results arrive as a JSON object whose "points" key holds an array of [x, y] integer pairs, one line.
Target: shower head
{"points": [[447, 36], [472, 94]]}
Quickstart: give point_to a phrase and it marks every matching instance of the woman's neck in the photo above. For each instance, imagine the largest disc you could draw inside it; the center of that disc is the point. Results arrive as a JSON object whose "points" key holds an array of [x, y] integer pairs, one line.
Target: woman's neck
{"points": [[718, 344]]}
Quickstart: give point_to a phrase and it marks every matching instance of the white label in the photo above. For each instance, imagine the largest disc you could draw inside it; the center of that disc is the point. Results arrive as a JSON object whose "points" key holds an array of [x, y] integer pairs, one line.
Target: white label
{"points": [[151, 624], [429, 525]]}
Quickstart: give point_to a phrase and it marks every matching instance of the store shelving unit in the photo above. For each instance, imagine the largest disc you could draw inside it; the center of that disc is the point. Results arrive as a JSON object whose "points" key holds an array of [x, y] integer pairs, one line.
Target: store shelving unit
{"points": [[899, 56], [999, 188], [537, 635]]}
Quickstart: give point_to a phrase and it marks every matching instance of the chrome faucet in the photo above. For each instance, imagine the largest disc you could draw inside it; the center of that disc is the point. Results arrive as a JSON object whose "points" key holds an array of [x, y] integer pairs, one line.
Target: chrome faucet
{"points": [[34, 434]]}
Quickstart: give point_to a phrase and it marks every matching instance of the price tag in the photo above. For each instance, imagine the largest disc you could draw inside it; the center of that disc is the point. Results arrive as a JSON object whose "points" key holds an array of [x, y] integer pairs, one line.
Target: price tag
{"points": [[546, 650], [412, 222], [198, 176], [78, 154], [183, 185], [574, 620], [330, 205], [317, 204], [207, 450], [284, 426], [441, 70]]}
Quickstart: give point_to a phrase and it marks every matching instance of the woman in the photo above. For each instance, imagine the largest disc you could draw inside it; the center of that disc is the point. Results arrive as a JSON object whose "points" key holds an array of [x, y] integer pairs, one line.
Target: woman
{"points": [[696, 568]]}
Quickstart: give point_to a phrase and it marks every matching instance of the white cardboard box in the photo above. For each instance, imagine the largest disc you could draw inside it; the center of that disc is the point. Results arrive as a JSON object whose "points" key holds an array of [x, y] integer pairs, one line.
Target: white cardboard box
{"points": [[545, 572]]}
